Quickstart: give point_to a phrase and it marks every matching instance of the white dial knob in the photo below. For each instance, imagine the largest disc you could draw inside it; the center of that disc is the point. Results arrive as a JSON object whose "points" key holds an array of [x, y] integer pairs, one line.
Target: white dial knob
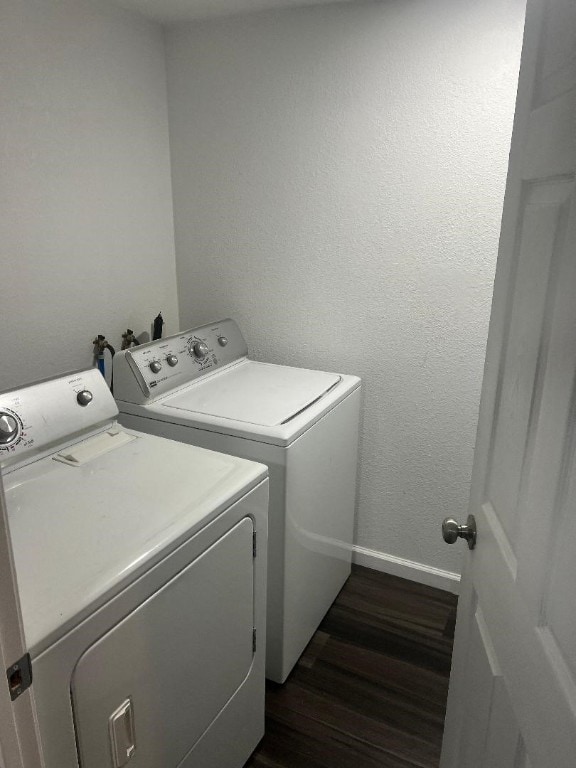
{"points": [[200, 350], [155, 366], [8, 428]]}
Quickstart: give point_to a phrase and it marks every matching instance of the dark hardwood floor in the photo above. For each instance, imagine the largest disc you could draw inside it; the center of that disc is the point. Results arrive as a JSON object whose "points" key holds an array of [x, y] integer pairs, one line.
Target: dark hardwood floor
{"points": [[370, 689]]}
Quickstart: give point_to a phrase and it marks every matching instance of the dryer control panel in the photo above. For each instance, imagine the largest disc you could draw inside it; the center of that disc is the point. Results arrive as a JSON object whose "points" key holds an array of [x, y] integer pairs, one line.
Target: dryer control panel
{"points": [[149, 371], [34, 417]]}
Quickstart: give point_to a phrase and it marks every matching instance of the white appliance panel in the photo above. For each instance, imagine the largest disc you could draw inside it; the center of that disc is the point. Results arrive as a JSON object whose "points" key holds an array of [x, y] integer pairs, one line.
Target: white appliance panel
{"points": [[320, 497], [178, 658], [257, 393]]}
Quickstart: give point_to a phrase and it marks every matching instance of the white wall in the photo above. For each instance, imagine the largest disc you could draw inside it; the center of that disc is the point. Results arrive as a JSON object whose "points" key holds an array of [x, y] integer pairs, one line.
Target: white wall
{"points": [[338, 176], [86, 231]]}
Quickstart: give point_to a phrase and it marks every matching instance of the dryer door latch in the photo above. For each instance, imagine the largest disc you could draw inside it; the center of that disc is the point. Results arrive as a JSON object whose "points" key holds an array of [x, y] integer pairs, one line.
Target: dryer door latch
{"points": [[19, 676], [122, 737]]}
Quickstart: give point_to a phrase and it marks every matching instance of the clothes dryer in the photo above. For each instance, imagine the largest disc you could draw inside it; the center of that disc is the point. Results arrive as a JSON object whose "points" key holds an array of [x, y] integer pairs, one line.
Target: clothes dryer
{"points": [[141, 573], [200, 387]]}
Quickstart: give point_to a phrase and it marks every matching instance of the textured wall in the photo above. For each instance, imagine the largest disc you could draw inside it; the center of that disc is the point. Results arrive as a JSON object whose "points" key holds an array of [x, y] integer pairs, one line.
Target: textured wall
{"points": [[338, 176], [86, 231]]}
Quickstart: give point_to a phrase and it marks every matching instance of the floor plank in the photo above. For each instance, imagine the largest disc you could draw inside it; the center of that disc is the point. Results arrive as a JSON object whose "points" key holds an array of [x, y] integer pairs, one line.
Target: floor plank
{"points": [[370, 689]]}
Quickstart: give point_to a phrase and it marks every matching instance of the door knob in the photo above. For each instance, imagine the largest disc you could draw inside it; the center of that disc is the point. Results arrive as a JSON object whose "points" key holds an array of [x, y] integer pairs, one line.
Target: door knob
{"points": [[452, 531]]}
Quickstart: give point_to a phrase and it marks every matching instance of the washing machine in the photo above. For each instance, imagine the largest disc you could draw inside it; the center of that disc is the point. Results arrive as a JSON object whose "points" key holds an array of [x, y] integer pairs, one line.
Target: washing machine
{"points": [[141, 570], [201, 387]]}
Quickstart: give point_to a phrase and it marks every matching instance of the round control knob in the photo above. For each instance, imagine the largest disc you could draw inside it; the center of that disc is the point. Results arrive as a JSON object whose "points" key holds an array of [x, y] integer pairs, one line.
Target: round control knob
{"points": [[200, 350], [8, 428], [155, 366], [84, 397], [222, 340], [172, 360]]}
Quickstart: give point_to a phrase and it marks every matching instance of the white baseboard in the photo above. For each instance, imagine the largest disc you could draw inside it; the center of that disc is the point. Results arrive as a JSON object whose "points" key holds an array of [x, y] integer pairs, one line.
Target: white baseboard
{"points": [[406, 569]]}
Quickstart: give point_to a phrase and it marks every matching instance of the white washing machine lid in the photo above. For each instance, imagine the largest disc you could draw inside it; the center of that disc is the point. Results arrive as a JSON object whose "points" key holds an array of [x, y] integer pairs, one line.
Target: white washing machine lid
{"points": [[86, 523], [255, 393]]}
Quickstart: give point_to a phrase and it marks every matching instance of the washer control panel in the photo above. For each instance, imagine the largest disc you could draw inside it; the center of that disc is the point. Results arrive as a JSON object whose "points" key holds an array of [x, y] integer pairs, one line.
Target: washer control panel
{"points": [[36, 416], [165, 364]]}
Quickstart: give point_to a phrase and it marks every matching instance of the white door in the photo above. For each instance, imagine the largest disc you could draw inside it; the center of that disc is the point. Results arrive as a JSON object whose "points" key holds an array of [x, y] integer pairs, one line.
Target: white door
{"points": [[512, 700]]}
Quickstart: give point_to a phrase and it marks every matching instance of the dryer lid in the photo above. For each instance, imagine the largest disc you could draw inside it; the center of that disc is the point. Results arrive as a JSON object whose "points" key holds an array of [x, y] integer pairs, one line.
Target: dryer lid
{"points": [[256, 393]]}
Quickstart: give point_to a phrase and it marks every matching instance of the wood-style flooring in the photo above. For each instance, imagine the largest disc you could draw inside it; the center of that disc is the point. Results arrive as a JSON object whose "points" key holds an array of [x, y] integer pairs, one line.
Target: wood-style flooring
{"points": [[370, 690]]}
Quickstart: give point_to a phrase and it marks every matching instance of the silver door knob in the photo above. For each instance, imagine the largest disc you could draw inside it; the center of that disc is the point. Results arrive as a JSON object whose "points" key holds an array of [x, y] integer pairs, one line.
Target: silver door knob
{"points": [[451, 531]]}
